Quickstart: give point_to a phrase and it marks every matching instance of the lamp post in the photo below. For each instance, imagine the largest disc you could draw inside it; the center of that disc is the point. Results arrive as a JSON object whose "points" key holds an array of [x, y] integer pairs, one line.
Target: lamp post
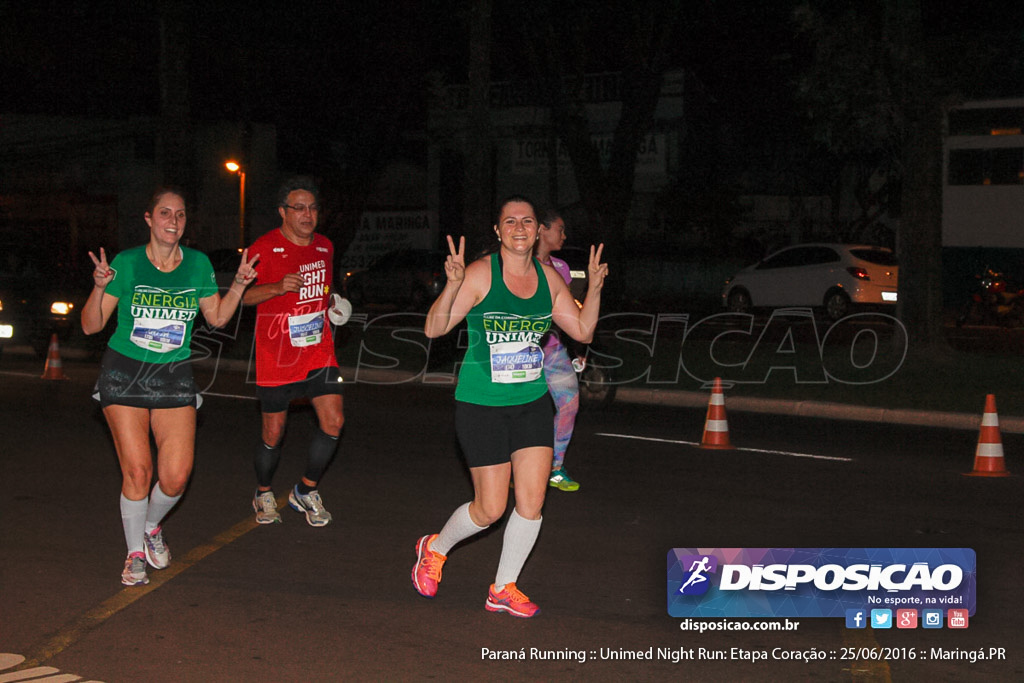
{"points": [[235, 167]]}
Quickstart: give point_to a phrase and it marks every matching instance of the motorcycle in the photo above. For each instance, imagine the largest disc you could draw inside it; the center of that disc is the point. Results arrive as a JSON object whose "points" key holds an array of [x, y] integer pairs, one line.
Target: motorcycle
{"points": [[994, 301], [593, 369], [594, 374]]}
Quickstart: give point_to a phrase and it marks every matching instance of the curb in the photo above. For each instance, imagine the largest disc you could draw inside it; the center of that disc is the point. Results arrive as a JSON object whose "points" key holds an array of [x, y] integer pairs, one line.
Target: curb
{"points": [[698, 399], [822, 409]]}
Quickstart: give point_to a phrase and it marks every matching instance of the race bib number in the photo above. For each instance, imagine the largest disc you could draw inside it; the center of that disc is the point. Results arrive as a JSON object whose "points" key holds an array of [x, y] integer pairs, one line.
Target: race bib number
{"points": [[514, 362], [160, 336], [306, 330]]}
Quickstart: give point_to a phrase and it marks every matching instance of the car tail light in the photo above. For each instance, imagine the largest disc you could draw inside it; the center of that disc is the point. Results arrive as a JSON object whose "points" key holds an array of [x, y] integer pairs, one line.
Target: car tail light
{"points": [[859, 273]]}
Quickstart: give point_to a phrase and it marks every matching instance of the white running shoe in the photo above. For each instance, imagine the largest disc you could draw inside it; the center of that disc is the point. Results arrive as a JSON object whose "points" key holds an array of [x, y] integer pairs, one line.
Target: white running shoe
{"points": [[265, 506], [311, 505], [134, 573], [157, 553]]}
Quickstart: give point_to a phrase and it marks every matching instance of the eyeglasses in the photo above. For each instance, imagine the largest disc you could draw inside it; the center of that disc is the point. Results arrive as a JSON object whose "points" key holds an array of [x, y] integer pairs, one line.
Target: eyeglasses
{"points": [[301, 208]]}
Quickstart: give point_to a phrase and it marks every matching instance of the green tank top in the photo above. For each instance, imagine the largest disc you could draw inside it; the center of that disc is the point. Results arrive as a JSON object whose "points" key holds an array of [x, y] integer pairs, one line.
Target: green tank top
{"points": [[155, 310], [504, 363]]}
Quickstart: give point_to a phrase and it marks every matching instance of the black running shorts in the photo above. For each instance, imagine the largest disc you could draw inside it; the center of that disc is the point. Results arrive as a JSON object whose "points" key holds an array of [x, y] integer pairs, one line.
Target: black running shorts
{"points": [[125, 381], [317, 383], [489, 435]]}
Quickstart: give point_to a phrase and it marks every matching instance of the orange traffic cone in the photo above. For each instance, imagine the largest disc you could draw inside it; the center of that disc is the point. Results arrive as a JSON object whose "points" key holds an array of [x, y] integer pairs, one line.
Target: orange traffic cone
{"points": [[53, 369], [988, 458], [716, 427]]}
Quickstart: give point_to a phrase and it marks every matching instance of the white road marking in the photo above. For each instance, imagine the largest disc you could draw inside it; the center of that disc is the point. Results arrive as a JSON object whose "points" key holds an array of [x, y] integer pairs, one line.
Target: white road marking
{"points": [[749, 450], [204, 393], [213, 393]]}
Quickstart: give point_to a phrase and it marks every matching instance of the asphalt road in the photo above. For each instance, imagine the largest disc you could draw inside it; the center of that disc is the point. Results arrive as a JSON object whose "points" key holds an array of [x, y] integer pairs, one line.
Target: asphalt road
{"points": [[289, 602]]}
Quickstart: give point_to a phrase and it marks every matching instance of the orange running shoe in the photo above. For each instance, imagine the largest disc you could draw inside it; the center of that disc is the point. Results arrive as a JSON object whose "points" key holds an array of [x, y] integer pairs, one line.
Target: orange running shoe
{"points": [[426, 573], [510, 600]]}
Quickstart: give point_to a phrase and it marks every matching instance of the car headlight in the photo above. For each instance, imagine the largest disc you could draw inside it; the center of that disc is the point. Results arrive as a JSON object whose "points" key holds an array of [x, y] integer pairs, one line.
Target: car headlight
{"points": [[61, 307]]}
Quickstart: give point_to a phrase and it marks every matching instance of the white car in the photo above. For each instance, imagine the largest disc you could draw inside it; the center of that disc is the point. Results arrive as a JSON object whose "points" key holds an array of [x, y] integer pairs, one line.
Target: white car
{"points": [[833, 276]]}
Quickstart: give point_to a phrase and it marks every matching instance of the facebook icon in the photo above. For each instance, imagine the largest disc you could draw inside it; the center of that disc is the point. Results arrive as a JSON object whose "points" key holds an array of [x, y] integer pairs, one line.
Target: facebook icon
{"points": [[856, 618]]}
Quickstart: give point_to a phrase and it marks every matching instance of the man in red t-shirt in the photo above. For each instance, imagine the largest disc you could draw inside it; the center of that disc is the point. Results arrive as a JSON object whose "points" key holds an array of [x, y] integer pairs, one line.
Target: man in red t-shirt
{"points": [[294, 347]]}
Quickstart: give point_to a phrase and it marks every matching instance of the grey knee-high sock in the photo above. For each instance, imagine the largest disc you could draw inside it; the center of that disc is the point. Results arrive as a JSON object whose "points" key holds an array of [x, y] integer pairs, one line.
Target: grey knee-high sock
{"points": [[159, 505], [459, 527], [520, 537], [133, 519]]}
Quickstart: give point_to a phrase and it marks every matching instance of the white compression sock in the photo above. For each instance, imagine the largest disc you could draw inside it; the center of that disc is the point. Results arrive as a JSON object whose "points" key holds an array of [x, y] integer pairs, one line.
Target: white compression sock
{"points": [[459, 527], [159, 505], [520, 536], [133, 519]]}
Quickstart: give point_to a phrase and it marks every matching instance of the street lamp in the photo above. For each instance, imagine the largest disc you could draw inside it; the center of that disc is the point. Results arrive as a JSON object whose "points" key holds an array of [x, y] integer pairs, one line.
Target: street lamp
{"points": [[235, 167]]}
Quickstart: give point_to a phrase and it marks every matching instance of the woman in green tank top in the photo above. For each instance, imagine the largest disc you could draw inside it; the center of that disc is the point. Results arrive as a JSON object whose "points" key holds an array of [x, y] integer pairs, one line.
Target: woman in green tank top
{"points": [[503, 412], [145, 385]]}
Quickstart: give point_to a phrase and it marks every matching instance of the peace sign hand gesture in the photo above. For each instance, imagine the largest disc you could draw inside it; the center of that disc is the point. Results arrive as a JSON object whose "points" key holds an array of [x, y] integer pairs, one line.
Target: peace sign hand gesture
{"points": [[103, 274], [246, 273], [598, 271], [455, 264]]}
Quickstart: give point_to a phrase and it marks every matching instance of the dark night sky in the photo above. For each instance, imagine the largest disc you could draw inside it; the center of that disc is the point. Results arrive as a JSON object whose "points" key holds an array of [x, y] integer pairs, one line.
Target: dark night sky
{"points": [[277, 58], [289, 59], [318, 65]]}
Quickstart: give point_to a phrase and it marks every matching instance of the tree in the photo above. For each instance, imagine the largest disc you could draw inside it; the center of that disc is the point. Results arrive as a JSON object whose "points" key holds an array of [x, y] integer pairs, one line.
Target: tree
{"points": [[175, 134], [561, 47], [478, 199], [876, 93]]}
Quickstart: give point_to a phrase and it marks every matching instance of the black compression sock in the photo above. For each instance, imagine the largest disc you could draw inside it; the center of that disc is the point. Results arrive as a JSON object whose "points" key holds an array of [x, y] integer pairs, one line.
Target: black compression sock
{"points": [[266, 461], [321, 451]]}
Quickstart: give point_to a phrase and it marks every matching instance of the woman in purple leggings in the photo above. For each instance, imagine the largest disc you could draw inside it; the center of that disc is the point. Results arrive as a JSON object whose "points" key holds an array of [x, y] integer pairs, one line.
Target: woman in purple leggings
{"points": [[558, 369]]}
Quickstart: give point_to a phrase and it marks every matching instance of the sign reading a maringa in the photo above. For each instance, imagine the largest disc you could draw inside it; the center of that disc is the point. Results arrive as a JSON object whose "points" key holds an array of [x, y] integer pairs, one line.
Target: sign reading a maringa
{"points": [[383, 231], [816, 582]]}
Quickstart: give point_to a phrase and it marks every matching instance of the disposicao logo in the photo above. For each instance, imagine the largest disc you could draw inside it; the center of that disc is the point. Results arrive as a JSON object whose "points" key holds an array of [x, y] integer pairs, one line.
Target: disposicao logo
{"points": [[817, 582]]}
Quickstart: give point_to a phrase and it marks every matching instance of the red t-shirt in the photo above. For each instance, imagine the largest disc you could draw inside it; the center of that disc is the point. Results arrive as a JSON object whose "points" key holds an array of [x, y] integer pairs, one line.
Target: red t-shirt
{"points": [[293, 336]]}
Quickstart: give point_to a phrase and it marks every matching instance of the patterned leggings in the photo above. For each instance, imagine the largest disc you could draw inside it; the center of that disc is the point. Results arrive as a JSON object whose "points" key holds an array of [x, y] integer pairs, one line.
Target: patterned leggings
{"points": [[565, 391]]}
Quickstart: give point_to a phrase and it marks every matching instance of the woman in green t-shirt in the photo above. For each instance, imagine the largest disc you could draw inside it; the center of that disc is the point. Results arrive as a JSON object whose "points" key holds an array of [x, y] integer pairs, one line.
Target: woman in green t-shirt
{"points": [[145, 378], [503, 412]]}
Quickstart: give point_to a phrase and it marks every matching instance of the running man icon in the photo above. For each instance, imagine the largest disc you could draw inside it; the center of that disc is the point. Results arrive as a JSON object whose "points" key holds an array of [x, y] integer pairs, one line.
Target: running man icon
{"points": [[697, 569]]}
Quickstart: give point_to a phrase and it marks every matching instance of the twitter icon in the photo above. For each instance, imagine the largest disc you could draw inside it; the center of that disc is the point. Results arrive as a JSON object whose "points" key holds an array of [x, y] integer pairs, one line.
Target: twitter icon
{"points": [[881, 618]]}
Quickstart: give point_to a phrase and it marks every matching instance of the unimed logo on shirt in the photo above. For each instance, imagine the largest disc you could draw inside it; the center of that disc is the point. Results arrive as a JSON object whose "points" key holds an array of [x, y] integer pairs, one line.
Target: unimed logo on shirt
{"points": [[817, 582], [163, 304]]}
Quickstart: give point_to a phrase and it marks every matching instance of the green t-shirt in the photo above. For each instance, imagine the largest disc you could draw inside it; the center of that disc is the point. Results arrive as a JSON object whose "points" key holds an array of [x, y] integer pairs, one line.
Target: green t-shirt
{"points": [[504, 364], [156, 310]]}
